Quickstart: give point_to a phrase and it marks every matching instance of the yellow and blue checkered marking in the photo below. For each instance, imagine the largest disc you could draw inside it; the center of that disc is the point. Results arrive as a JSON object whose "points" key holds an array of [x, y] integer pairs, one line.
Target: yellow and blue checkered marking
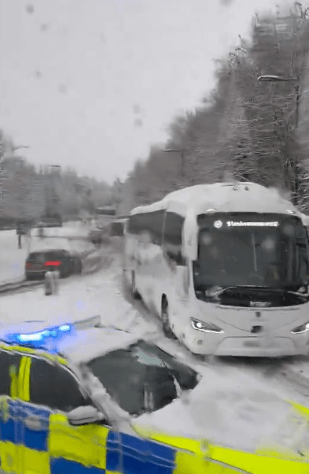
{"points": [[113, 451], [33, 439], [7, 423], [124, 453], [65, 466], [140, 455], [120, 452], [56, 447]]}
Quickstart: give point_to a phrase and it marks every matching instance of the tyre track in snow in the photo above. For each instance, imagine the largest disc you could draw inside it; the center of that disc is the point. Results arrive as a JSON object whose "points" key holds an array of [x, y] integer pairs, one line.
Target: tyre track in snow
{"points": [[282, 373], [275, 372]]}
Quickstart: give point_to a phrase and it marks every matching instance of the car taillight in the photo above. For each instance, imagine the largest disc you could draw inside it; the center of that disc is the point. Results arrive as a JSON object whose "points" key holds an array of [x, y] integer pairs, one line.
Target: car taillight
{"points": [[52, 264], [28, 265]]}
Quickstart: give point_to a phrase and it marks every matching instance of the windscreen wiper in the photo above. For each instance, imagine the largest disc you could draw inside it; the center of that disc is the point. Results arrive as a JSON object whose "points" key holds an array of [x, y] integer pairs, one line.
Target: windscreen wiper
{"points": [[296, 293], [221, 291]]}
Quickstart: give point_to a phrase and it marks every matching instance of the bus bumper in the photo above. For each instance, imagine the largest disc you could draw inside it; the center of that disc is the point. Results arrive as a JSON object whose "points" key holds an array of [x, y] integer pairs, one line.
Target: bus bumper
{"points": [[259, 347], [277, 336], [221, 345]]}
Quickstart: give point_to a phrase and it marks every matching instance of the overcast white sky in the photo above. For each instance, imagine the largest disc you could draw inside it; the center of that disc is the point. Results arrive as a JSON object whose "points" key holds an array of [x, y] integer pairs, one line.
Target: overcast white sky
{"points": [[73, 71]]}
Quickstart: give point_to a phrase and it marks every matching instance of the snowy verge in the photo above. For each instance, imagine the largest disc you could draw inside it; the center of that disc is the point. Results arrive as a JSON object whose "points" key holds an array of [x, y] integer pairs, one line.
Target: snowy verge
{"points": [[12, 260]]}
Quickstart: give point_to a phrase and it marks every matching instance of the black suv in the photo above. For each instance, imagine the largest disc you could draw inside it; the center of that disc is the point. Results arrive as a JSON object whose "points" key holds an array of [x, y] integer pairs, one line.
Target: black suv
{"points": [[38, 263]]}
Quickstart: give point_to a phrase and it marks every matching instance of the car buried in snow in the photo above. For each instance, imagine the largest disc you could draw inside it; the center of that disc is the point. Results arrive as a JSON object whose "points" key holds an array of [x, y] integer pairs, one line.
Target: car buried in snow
{"points": [[79, 397]]}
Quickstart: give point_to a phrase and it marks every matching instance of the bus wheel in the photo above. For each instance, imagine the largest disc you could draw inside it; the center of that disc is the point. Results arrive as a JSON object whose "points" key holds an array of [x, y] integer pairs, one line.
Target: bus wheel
{"points": [[166, 320], [135, 293]]}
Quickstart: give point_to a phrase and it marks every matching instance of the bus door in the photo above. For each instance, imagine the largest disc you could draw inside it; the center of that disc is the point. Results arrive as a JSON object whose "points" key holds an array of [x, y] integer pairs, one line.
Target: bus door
{"points": [[151, 255], [177, 284]]}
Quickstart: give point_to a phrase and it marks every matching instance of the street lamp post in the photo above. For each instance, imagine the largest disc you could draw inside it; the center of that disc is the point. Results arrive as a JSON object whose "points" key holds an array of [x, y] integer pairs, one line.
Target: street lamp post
{"points": [[274, 78]]}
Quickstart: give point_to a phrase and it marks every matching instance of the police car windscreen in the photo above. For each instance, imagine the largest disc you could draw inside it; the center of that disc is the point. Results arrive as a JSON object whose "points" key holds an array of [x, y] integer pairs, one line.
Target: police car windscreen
{"points": [[251, 249], [139, 373]]}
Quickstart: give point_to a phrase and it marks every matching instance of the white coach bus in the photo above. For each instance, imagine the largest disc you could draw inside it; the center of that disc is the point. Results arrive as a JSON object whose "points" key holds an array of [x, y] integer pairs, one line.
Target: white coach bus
{"points": [[226, 268]]}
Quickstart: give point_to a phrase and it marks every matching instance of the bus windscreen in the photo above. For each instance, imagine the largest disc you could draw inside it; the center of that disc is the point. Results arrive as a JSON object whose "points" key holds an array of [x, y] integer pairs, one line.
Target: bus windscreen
{"points": [[251, 250]]}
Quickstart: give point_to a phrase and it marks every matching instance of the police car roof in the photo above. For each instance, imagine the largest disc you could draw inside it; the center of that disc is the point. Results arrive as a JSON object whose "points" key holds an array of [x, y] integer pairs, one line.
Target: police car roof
{"points": [[77, 345], [88, 344], [22, 327]]}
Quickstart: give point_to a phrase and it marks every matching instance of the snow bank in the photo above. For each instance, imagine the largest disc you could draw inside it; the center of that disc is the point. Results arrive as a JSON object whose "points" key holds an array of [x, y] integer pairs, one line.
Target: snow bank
{"points": [[12, 259], [223, 411]]}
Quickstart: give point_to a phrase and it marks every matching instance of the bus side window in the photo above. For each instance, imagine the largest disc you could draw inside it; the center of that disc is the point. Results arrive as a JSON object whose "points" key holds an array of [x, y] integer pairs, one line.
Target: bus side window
{"points": [[172, 238], [135, 224], [155, 226], [150, 223], [303, 248]]}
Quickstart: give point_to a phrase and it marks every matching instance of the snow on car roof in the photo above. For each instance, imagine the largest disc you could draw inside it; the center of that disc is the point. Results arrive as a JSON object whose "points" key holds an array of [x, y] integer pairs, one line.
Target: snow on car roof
{"points": [[225, 197], [76, 344], [88, 344], [47, 250], [21, 327]]}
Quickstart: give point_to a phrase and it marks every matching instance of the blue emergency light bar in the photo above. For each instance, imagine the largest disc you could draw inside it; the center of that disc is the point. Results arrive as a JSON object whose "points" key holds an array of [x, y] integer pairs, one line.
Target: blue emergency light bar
{"points": [[41, 338], [35, 338]]}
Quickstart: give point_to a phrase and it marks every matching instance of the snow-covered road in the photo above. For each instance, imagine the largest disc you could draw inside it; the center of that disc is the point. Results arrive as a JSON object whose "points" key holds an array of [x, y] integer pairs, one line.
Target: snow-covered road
{"points": [[225, 381]]}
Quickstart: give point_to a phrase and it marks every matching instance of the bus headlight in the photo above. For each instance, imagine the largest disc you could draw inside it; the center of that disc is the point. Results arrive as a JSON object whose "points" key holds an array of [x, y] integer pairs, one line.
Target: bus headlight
{"points": [[205, 327], [301, 329]]}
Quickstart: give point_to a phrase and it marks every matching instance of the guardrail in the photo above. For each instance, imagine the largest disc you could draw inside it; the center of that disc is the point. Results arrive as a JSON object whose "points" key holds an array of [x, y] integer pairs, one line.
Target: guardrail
{"points": [[15, 286]]}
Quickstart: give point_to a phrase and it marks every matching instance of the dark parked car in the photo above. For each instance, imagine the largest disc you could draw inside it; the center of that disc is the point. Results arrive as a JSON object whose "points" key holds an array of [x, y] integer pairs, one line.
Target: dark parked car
{"points": [[38, 263]]}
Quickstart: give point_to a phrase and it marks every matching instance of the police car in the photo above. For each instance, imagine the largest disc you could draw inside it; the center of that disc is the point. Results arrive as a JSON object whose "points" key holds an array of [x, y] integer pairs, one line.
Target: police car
{"points": [[73, 398]]}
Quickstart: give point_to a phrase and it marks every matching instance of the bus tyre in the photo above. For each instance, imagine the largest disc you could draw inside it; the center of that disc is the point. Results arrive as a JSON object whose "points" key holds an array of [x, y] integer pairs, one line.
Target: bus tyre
{"points": [[166, 320], [135, 293]]}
